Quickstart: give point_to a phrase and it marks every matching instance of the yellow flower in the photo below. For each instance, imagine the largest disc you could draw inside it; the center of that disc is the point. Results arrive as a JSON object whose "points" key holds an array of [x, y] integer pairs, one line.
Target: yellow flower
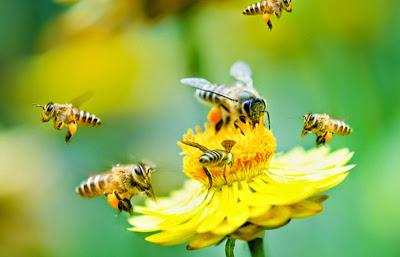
{"points": [[259, 191]]}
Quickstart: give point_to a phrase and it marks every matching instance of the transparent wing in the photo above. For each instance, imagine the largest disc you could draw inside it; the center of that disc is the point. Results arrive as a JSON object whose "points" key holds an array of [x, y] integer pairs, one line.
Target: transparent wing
{"points": [[196, 145], [202, 84], [242, 72], [228, 144], [198, 83], [78, 101]]}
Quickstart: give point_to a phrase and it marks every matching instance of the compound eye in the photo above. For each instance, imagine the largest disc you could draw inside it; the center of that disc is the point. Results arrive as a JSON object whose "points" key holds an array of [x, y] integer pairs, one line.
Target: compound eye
{"points": [[286, 1], [138, 171], [49, 108], [247, 106], [312, 117]]}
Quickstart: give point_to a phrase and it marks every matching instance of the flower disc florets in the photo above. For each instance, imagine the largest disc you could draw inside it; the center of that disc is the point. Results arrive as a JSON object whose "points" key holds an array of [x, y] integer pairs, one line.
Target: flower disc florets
{"points": [[252, 153]]}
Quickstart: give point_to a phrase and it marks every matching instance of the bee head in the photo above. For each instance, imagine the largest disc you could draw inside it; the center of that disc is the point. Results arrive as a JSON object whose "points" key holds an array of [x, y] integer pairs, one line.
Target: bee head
{"points": [[142, 175], [309, 121], [287, 5], [47, 111], [255, 108]]}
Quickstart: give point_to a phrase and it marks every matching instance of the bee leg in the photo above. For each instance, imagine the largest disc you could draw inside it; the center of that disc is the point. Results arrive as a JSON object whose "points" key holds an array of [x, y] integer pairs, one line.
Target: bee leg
{"points": [[125, 205], [321, 139], [208, 176], [269, 120], [218, 126], [226, 181], [238, 127], [72, 127], [267, 20], [58, 124]]}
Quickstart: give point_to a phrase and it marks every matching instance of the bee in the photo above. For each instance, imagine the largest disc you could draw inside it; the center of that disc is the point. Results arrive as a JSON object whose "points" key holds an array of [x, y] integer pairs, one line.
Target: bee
{"points": [[69, 115], [323, 126], [119, 185], [268, 8], [238, 102], [216, 158]]}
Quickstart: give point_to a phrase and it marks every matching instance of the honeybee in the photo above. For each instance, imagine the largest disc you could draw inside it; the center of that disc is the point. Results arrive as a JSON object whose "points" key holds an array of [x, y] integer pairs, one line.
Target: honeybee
{"points": [[119, 185], [323, 126], [69, 115], [216, 158], [268, 8], [241, 102]]}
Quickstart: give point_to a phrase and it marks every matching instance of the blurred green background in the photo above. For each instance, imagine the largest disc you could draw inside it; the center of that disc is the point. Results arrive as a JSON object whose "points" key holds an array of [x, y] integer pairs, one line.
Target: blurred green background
{"points": [[340, 57]]}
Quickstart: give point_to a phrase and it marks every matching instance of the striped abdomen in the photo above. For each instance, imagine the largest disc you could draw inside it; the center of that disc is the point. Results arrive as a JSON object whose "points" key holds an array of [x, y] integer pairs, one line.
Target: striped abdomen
{"points": [[96, 185], [213, 158], [339, 127], [258, 8], [84, 117], [209, 97]]}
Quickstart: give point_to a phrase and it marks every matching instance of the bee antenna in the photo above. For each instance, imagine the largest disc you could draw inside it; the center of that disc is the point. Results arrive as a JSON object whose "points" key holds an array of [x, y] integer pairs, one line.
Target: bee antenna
{"points": [[37, 105]]}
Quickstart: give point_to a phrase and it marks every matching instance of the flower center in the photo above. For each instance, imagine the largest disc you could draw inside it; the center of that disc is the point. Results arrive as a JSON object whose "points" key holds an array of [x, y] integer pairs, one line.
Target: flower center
{"points": [[231, 154]]}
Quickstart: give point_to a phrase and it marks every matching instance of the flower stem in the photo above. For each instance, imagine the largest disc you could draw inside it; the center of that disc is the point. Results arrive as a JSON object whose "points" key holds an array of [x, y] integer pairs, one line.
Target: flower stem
{"points": [[256, 247], [229, 247]]}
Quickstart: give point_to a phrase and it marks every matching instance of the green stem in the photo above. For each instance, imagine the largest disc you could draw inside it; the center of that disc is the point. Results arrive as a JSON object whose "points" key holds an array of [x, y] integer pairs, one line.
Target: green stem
{"points": [[256, 247], [229, 247]]}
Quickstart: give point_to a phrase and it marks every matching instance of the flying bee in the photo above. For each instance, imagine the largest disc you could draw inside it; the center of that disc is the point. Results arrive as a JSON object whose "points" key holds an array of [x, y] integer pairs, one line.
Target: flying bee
{"points": [[69, 115], [119, 185], [268, 8], [239, 102], [323, 126], [216, 158]]}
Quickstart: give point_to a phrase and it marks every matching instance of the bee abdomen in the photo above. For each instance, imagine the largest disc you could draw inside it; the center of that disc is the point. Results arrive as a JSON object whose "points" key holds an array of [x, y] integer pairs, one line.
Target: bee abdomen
{"points": [[342, 128], [94, 186], [87, 118], [256, 8], [210, 97], [211, 157]]}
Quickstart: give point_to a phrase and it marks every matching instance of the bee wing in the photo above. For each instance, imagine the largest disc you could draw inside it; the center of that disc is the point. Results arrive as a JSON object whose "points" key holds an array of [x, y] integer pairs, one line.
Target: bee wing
{"points": [[196, 145], [228, 144], [78, 101], [200, 84], [242, 72]]}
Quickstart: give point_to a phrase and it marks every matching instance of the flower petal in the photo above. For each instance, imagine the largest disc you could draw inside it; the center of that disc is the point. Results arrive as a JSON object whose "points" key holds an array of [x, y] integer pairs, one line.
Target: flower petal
{"points": [[204, 240], [276, 217], [308, 207]]}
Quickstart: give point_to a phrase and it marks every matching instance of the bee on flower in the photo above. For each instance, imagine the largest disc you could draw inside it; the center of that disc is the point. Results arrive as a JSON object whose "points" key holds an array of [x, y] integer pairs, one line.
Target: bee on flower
{"points": [[260, 191], [240, 103]]}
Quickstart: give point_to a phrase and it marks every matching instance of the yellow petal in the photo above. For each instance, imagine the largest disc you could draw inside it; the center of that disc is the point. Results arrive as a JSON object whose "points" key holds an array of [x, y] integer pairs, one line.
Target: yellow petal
{"points": [[248, 232], [276, 217], [215, 214], [307, 207], [170, 237], [204, 240], [145, 223]]}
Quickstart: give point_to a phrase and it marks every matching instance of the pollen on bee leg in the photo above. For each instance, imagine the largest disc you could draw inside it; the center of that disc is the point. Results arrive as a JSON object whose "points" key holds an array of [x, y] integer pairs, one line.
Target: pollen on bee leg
{"points": [[72, 128], [112, 200], [266, 18], [328, 137], [214, 116]]}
